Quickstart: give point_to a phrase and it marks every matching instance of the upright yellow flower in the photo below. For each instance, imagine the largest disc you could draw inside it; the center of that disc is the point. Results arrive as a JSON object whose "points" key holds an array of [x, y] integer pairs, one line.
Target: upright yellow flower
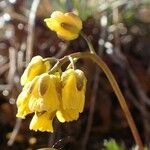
{"points": [[67, 26], [36, 67], [73, 89], [42, 122], [45, 96]]}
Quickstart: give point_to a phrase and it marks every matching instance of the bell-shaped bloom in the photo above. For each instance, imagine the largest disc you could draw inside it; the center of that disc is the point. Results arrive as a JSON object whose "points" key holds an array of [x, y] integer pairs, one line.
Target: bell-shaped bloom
{"points": [[67, 26], [23, 100], [23, 109], [36, 67], [81, 89], [67, 115], [42, 122], [73, 89], [45, 96]]}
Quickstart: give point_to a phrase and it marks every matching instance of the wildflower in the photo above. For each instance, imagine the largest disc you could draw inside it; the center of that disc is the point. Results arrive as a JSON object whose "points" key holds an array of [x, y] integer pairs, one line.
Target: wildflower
{"points": [[42, 122], [67, 115], [45, 96], [23, 108], [73, 89], [23, 100], [36, 67], [49, 95], [67, 26]]}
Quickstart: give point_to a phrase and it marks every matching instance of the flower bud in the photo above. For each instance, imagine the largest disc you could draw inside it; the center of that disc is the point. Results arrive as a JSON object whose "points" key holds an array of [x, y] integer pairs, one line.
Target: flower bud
{"points": [[45, 96], [67, 26], [36, 67], [73, 89], [42, 122]]}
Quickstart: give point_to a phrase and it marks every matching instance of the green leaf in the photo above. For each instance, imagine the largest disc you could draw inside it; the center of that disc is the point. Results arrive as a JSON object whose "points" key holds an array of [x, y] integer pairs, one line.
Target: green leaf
{"points": [[112, 145]]}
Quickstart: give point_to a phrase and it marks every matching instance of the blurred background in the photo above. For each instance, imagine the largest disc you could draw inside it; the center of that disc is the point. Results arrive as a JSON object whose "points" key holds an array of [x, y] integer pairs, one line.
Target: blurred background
{"points": [[120, 33]]}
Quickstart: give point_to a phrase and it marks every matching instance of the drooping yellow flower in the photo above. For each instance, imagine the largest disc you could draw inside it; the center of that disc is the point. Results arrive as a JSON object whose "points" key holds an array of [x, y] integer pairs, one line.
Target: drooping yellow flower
{"points": [[23, 109], [45, 96], [67, 26], [67, 115], [36, 67], [81, 87], [42, 122], [73, 89], [23, 100]]}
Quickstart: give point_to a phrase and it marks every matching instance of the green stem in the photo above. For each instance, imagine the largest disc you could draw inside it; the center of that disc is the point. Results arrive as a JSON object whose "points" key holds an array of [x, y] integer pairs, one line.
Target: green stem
{"points": [[50, 59], [71, 62], [95, 58], [121, 99], [91, 48], [117, 91]]}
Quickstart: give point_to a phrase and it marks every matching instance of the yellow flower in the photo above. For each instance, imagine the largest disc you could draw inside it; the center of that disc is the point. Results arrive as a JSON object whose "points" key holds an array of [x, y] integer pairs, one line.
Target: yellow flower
{"points": [[45, 96], [67, 115], [67, 26], [42, 122], [23, 100], [23, 108], [36, 67], [81, 89], [73, 89]]}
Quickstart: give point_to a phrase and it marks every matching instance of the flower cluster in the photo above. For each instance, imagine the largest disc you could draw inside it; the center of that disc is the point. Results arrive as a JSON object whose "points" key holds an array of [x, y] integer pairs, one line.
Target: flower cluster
{"points": [[49, 95]]}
